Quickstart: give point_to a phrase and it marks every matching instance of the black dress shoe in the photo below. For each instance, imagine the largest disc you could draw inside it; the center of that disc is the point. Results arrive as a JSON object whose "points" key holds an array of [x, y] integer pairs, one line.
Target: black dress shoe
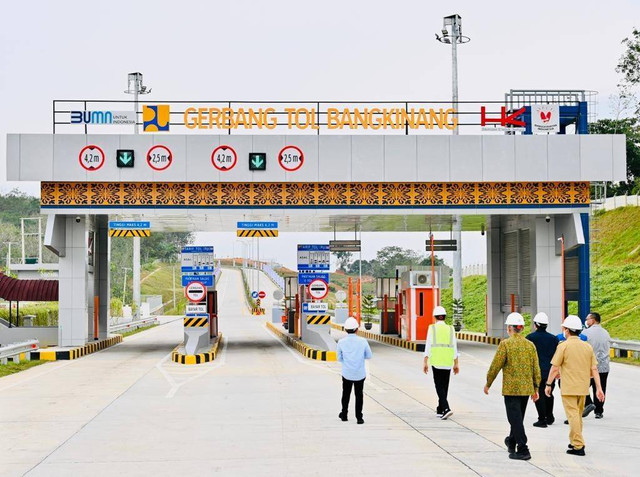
{"points": [[540, 424], [511, 445], [599, 416], [566, 421], [574, 451], [360, 420], [522, 454], [343, 417], [588, 409], [550, 420]]}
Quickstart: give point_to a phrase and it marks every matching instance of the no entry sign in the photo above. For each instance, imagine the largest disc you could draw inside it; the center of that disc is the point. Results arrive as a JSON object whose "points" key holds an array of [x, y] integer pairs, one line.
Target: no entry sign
{"points": [[195, 292], [291, 158], [318, 289]]}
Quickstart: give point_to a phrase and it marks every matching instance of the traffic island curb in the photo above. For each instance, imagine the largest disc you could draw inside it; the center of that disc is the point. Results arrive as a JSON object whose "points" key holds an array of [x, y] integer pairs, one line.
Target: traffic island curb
{"points": [[391, 340], [302, 347], [206, 357], [77, 352]]}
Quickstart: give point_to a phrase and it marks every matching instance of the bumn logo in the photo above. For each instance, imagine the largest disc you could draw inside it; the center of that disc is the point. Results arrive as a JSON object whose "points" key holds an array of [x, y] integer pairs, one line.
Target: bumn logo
{"points": [[91, 117]]}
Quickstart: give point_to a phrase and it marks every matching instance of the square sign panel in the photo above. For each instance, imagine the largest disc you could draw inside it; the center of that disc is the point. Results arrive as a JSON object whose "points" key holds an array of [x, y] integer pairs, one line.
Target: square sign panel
{"points": [[257, 161], [124, 157]]}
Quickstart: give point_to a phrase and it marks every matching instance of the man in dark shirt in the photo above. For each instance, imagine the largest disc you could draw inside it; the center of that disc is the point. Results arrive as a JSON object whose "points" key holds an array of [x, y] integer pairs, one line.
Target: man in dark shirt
{"points": [[546, 345]]}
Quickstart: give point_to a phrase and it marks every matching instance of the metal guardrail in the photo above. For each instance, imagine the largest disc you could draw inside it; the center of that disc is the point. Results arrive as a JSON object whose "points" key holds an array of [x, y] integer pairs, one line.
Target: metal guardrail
{"points": [[133, 325], [14, 350], [632, 348]]}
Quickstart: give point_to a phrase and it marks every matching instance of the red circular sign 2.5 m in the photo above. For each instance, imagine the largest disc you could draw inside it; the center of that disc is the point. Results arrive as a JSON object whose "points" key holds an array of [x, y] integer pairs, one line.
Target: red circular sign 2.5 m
{"points": [[159, 157], [291, 158], [91, 158], [195, 292], [224, 158], [318, 289]]}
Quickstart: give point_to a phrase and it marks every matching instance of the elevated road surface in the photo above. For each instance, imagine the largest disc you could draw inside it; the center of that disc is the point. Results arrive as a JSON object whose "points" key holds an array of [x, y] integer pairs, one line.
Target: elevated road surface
{"points": [[262, 409]]}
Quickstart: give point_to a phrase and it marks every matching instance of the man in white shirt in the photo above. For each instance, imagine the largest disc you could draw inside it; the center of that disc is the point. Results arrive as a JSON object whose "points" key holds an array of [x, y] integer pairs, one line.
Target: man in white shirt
{"points": [[352, 351], [600, 341], [441, 348]]}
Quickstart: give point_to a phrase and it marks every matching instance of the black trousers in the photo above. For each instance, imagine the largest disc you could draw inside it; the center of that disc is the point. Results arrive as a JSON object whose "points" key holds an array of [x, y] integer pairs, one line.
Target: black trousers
{"points": [[544, 404], [346, 394], [516, 407], [599, 404], [441, 380]]}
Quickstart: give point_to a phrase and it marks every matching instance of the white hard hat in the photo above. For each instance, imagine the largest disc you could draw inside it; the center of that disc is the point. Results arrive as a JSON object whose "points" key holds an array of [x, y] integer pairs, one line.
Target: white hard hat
{"points": [[439, 311], [541, 318], [514, 319], [351, 324], [572, 322]]}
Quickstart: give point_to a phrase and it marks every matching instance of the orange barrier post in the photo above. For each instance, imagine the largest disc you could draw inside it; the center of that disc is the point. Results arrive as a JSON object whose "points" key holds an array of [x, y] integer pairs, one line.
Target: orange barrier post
{"points": [[295, 316], [513, 303], [564, 303], [350, 297], [359, 302], [96, 315]]}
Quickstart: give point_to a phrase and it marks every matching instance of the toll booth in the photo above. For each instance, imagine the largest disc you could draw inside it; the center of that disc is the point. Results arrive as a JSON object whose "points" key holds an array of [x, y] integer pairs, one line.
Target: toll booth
{"points": [[419, 294], [291, 303], [386, 293]]}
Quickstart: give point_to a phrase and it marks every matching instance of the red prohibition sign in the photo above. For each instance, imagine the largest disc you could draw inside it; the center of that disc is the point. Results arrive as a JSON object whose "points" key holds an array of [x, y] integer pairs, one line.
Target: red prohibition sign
{"points": [[295, 157], [262, 295], [162, 156], [318, 289], [197, 287], [224, 148], [95, 149]]}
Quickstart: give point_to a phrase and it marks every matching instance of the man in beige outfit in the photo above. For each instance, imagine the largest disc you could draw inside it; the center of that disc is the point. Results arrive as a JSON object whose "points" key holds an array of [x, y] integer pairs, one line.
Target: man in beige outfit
{"points": [[576, 363]]}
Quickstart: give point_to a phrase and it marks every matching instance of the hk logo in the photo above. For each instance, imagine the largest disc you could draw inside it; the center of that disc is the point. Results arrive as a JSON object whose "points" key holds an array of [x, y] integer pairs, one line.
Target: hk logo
{"points": [[155, 118], [545, 116]]}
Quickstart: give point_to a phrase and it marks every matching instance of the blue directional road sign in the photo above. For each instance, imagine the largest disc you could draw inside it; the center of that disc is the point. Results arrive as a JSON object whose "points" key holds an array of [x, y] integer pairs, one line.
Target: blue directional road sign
{"points": [[205, 279], [139, 225], [257, 225], [314, 257], [306, 278], [197, 259], [254, 295]]}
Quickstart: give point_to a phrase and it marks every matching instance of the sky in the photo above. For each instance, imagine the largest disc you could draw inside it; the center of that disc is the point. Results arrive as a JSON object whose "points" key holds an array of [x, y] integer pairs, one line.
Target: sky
{"points": [[296, 50]]}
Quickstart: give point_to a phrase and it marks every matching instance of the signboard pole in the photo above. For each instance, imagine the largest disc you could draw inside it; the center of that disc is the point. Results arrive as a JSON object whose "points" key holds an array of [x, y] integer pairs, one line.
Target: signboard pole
{"points": [[136, 273]]}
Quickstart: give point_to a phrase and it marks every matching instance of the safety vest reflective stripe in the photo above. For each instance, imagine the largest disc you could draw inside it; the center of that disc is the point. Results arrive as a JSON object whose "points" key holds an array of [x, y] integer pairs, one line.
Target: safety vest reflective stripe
{"points": [[442, 353]]}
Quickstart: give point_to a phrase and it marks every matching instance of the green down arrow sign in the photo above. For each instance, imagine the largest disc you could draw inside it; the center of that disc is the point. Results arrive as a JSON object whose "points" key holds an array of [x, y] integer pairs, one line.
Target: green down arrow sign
{"points": [[257, 161], [124, 158]]}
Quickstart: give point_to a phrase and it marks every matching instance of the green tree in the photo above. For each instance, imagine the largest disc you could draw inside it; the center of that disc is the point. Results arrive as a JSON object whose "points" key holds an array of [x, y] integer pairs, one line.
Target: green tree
{"points": [[165, 247], [369, 309], [629, 67], [343, 260], [367, 267], [389, 257]]}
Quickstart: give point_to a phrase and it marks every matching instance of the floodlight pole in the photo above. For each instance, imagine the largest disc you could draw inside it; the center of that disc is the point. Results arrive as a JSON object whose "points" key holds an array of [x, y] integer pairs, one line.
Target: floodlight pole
{"points": [[455, 37], [136, 88]]}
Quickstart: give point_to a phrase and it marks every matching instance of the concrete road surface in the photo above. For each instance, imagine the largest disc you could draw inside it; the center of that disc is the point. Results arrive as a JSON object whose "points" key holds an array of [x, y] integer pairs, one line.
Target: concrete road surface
{"points": [[263, 409]]}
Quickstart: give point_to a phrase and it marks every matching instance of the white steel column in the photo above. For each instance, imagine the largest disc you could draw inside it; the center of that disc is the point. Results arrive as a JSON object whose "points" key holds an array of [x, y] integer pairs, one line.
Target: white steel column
{"points": [[136, 272]]}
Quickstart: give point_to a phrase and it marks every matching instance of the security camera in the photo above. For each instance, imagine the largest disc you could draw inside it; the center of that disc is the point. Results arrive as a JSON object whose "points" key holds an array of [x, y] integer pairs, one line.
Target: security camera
{"points": [[78, 219], [547, 219]]}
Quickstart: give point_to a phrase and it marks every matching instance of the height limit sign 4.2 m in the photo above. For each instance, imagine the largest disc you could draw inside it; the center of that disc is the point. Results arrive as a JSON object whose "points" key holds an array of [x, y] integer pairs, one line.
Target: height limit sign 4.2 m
{"points": [[224, 158], [291, 158]]}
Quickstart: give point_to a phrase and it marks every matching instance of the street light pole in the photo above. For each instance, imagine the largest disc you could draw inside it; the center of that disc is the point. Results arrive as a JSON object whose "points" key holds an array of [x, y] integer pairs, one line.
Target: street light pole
{"points": [[136, 88], [452, 35]]}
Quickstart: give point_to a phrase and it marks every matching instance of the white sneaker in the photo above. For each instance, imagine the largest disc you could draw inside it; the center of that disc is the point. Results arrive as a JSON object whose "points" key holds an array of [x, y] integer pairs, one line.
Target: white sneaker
{"points": [[447, 415]]}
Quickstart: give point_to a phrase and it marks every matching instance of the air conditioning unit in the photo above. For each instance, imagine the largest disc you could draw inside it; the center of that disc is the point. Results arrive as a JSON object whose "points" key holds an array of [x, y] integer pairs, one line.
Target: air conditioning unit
{"points": [[421, 279]]}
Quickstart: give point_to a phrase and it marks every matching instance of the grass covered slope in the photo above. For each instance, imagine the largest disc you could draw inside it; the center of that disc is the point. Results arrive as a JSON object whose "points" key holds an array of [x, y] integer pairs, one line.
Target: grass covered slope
{"points": [[615, 280]]}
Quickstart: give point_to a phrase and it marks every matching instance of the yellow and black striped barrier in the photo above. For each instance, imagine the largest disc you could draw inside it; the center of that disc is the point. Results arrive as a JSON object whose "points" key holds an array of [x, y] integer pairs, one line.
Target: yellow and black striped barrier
{"points": [[206, 357], [258, 233], [74, 353], [129, 233], [302, 347], [318, 319], [195, 322], [478, 338]]}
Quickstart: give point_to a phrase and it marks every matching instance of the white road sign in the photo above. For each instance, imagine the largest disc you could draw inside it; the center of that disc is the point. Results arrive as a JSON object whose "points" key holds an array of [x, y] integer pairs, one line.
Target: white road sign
{"points": [[195, 309], [195, 292], [315, 307], [318, 289]]}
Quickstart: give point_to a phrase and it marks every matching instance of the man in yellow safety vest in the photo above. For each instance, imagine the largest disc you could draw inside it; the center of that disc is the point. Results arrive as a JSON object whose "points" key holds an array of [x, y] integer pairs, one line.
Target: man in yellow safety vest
{"points": [[441, 348]]}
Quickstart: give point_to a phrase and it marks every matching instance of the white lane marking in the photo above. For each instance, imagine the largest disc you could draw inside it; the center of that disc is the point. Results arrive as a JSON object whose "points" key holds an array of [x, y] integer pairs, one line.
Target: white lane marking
{"points": [[326, 367], [175, 386], [55, 366]]}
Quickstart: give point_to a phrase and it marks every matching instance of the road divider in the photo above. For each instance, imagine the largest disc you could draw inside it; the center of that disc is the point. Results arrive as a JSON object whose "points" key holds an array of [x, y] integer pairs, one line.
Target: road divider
{"points": [[302, 347], [60, 354], [205, 357]]}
